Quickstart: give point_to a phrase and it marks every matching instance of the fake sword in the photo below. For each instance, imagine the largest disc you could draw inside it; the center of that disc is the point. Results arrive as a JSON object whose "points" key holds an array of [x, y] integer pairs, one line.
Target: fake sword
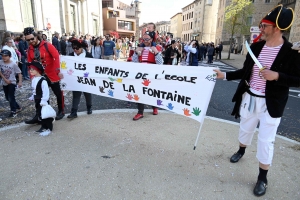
{"points": [[254, 58]]}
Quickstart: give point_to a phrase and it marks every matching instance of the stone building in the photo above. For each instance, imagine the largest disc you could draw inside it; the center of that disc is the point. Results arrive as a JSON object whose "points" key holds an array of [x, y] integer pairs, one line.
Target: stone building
{"points": [[163, 27], [63, 16], [187, 22], [294, 33], [120, 17], [176, 25], [261, 7]]}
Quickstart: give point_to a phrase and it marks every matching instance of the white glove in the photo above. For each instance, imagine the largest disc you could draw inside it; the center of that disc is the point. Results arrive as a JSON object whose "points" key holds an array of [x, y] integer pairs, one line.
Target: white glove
{"points": [[31, 98], [44, 103]]}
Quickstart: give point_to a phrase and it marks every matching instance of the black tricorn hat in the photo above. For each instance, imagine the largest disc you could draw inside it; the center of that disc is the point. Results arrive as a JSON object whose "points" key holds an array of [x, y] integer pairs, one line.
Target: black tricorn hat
{"points": [[280, 16], [36, 65]]}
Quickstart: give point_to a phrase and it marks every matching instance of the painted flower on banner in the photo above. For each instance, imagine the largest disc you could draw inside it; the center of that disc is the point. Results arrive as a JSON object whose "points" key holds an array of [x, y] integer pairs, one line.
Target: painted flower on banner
{"points": [[63, 65]]}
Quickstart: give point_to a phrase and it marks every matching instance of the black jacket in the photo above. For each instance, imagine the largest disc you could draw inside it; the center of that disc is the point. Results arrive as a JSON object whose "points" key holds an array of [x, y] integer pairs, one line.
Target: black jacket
{"points": [[63, 47], [23, 46], [170, 52], [286, 63]]}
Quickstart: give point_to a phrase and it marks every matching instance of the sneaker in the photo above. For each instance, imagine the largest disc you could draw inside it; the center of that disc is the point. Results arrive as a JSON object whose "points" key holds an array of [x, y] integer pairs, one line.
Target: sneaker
{"points": [[155, 111], [137, 117], [12, 115], [18, 110], [40, 130], [45, 132]]}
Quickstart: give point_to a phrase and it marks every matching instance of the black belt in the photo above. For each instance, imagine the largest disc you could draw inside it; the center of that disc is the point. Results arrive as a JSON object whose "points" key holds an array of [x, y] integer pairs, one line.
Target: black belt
{"points": [[255, 95]]}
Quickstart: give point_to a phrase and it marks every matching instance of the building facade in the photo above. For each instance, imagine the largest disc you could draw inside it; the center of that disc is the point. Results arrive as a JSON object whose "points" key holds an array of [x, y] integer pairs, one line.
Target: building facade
{"points": [[116, 21], [63, 16], [261, 7], [176, 26], [163, 27], [294, 33], [187, 22], [120, 17]]}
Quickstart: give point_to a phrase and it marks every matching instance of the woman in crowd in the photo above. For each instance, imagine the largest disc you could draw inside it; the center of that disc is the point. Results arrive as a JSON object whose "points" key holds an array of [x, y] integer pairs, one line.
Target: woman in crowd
{"points": [[9, 46], [171, 54], [79, 51], [96, 49], [118, 48], [44, 37], [124, 48]]}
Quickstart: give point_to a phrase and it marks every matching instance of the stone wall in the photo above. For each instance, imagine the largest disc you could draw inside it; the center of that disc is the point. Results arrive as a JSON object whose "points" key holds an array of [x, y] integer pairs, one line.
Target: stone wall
{"points": [[295, 31]]}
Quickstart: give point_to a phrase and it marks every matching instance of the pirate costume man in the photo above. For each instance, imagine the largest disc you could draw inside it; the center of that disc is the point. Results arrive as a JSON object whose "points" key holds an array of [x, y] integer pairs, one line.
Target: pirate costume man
{"points": [[262, 94]]}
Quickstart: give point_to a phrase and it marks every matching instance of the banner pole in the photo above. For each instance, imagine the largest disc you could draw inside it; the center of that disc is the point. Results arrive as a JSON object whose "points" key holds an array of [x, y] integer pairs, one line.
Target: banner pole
{"points": [[201, 124]]}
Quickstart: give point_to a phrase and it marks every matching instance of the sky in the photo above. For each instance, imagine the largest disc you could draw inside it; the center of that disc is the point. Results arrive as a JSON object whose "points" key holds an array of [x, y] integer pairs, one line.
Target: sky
{"points": [[159, 10]]}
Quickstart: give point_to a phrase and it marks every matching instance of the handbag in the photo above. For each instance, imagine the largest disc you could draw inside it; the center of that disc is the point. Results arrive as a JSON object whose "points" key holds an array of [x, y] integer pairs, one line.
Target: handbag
{"points": [[47, 112], [174, 62]]}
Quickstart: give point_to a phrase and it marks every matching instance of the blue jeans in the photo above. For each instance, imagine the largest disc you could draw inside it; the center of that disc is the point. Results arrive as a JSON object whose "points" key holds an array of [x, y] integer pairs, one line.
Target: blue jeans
{"points": [[118, 53], [210, 58], [24, 68], [9, 91]]}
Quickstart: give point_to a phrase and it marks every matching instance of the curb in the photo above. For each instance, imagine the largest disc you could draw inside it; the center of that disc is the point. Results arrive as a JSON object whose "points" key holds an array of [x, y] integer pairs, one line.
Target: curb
{"points": [[148, 111]]}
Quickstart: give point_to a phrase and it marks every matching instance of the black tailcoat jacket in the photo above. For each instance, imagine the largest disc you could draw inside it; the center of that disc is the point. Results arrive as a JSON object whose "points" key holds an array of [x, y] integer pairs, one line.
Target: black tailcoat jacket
{"points": [[286, 63]]}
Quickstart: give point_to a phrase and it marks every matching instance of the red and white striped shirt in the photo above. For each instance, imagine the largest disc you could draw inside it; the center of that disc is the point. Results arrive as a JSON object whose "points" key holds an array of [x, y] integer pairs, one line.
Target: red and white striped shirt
{"points": [[266, 59], [145, 54]]}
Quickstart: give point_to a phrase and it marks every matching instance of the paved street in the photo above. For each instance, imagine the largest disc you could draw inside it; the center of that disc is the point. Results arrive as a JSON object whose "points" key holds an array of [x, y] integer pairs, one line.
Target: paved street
{"points": [[220, 105]]}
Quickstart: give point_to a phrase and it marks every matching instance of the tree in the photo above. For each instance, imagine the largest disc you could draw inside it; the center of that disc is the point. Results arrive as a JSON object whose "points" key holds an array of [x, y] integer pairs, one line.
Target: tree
{"points": [[236, 15]]}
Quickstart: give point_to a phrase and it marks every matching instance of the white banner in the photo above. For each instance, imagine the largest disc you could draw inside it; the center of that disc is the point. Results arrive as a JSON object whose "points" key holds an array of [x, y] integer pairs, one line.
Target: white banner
{"points": [[185, 90]]}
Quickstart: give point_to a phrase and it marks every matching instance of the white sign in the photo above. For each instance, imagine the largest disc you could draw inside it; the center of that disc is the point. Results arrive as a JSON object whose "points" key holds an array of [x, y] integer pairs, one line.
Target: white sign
{"points": [[254, 29], [185, 90]]}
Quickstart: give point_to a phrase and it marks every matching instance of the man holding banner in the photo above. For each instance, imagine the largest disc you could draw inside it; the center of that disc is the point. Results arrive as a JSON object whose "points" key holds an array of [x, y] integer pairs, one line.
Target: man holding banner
{"points": [[151, 55], [270, 68]]}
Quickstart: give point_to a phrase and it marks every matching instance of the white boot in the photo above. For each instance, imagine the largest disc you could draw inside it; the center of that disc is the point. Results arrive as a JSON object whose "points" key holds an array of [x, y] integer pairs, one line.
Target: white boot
{"points": [[45, 133]]}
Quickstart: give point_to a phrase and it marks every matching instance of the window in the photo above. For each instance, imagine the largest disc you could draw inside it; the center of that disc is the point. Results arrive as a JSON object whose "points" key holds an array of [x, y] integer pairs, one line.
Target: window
{"points": [[192, 14], [183, 18], [249, 21], [73, 18], [95, 26], [267, 1], [106, 4], [27, 13], [125, 25], [253, 1], [191, 25]]}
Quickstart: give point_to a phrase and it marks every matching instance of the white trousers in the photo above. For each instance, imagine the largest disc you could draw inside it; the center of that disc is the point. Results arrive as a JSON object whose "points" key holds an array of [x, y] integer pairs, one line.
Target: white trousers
{"points": [[252, 111]]}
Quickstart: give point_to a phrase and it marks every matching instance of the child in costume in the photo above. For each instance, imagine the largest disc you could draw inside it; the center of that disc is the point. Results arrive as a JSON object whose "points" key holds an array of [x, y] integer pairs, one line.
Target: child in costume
{"points": [[40, 96]]}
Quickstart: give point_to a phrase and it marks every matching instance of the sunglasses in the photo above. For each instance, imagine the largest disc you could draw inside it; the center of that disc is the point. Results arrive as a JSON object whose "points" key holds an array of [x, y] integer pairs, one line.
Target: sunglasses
{"points": [[146, 39], [263, 26], [31, 39], [3, 55], [75, 48]]}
